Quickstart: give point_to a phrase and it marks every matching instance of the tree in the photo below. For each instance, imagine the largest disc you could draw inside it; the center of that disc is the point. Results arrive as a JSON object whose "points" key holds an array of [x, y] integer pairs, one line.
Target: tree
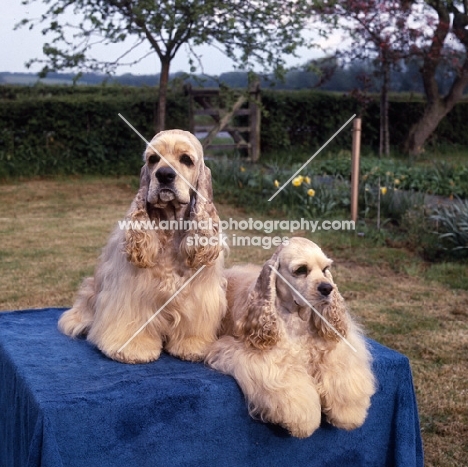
{"points": [[432, 33], [450, 22], [249, 32], [379, 33]]}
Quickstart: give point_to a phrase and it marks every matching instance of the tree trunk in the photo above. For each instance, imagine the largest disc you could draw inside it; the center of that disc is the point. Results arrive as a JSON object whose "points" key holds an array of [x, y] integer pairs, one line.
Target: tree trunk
{"points": [[384, 147], [425, 126], [162, 97], [438, 107]]}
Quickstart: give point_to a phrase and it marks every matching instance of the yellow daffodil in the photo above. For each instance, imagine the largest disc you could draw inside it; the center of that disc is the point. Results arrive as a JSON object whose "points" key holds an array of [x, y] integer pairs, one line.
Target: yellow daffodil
{"points": [[396, 182], [298, 181], [383, 190], [311, 192], [276, 183], [307, 180], [242, 169]]}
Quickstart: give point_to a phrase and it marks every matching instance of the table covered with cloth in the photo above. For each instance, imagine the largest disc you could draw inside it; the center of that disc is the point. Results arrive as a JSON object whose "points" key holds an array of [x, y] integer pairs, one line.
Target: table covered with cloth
{"points": [[63, 403]]}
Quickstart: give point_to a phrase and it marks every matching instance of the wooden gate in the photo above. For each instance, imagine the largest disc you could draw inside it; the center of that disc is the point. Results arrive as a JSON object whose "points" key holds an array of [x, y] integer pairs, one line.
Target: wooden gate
{"points": [[211, 102]]}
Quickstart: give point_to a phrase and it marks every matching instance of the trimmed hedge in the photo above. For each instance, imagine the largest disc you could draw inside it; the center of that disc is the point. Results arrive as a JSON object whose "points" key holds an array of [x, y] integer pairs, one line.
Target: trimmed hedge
{"points": [[79, 132], [308, 118], [76, 129]]}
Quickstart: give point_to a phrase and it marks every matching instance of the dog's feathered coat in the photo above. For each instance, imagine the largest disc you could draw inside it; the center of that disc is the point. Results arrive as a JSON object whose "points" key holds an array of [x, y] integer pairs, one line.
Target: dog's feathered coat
{"points": [[141, 269], [289, 363]]}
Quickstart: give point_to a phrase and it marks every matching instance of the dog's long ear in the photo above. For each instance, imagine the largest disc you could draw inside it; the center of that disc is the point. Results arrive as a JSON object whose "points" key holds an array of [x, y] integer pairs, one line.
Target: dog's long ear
{"points": [[141, 245], [198, 246], [259, 328], [203, 207], [336, 314]]}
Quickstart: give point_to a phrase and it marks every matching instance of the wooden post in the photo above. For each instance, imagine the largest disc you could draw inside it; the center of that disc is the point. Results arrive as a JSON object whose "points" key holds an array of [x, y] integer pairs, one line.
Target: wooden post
{"points": [[378, 206], [188, 92], [255, 121], [356, 150]]}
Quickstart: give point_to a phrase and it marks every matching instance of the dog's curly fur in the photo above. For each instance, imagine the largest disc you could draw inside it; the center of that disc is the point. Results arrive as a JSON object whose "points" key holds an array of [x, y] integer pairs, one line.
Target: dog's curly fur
{"points": [[289, 363], [141, 269]]}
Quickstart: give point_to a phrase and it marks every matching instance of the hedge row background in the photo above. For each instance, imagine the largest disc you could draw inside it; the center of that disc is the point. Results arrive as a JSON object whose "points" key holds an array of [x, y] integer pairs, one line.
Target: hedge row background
{"points": [[76, 129], [58, 131], [309, 118]]}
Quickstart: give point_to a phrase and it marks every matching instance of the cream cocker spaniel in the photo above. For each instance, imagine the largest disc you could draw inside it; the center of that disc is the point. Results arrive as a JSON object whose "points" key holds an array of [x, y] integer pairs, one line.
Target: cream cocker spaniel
{"points": [[290, 364], [141, 270]]}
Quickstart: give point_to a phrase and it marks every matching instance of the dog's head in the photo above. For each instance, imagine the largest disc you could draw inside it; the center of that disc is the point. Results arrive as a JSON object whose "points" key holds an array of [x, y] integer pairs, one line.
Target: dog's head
{"points": [[305, 275], [294, 280], [173, 165], [175, 184]]}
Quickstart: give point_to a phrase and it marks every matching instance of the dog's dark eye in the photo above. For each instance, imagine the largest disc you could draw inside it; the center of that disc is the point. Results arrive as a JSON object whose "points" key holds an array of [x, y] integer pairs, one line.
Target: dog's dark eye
{"points": [[153, 159], [301, 271], [324, 270], [186, 160]]}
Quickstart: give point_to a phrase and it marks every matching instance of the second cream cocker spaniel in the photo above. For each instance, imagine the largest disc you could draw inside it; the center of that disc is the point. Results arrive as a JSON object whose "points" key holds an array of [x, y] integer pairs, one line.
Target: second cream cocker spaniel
{"points": [[290, 364], [157, 288]]}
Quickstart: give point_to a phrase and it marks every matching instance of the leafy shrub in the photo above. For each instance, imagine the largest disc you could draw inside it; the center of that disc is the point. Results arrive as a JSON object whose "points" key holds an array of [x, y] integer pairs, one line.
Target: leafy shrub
{"points": [[406, 219], [396, 203], [392, 203], [440, 178], [418, 234], [311, 195], [307, 118], [78, 131], [452, 226]]}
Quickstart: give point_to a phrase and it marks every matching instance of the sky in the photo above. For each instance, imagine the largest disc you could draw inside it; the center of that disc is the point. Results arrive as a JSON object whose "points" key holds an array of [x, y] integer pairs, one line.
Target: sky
{"points": [[17, 47]]}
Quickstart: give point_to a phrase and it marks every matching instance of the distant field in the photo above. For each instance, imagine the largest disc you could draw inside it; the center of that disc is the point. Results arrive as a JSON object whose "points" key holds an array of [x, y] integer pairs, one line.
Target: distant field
{"points": [[30, 80]]}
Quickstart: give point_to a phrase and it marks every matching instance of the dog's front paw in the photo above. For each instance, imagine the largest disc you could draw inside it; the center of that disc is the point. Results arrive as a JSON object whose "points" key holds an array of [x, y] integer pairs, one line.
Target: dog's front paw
{"points": [[192, 349], [302, 420], [350, 417], [297, 410], [303, 429], [140, 349], [74, 322], [125, 356]]}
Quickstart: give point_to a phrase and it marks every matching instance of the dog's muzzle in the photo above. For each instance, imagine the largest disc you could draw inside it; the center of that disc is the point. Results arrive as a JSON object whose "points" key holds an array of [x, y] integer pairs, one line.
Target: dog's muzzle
{"points": [[166, 195], [165, 177], [325, 289]]}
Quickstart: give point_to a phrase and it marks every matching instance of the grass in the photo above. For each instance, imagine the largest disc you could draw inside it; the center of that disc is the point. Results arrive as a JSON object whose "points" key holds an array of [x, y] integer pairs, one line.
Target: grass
{"points": [[450, 274], [51, 232], [50, 238]]}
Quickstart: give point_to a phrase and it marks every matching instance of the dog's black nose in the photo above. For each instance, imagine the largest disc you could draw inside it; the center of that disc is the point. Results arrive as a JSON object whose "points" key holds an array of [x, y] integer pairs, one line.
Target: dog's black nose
{"points": [[325, 288], [165, 175]]}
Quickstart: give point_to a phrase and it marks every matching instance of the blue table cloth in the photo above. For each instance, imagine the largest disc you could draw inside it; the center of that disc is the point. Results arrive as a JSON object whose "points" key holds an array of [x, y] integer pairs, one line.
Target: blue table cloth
{"points": [[63, 403]]}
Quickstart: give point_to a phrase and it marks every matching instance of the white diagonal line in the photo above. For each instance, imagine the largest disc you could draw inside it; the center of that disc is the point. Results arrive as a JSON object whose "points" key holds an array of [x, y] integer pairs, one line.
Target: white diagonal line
{"points": [[160, 309], [284, 186], [313, 308], [162, 157]]}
